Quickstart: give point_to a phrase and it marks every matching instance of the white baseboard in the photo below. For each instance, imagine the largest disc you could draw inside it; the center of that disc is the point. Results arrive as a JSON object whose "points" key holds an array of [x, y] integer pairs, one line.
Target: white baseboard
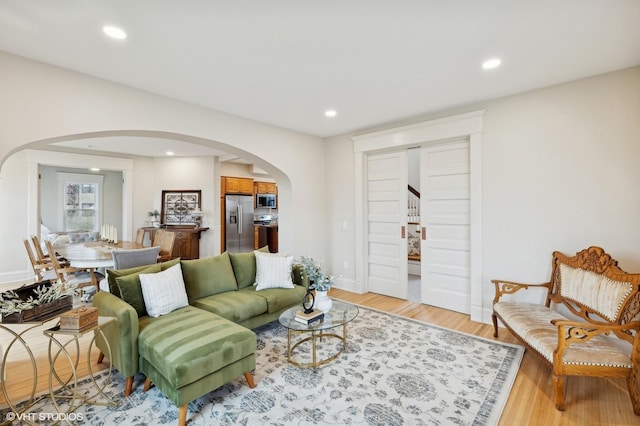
{"points": [[349, 285], [14, 279]]}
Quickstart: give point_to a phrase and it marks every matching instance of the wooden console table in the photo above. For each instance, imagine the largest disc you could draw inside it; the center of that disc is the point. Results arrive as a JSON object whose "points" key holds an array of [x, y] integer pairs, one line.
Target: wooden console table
{"points": [[187, 243]]}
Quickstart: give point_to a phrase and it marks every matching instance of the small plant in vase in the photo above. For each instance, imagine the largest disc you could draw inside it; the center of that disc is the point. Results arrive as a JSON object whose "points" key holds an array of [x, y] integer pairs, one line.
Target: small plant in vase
{"points": [[318, 281], [155, 214]]}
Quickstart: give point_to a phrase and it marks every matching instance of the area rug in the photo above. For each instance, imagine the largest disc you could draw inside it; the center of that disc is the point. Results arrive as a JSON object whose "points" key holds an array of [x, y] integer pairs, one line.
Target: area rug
{"points": [[394, 371]]}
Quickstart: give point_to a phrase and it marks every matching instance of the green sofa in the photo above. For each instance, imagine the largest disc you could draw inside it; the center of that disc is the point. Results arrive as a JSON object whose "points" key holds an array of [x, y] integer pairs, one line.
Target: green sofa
{"points": [[220, 291]]}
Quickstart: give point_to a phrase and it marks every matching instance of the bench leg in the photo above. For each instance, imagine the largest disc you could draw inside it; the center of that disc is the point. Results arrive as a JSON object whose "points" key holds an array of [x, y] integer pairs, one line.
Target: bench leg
{"points": [[558, 383], [182, 415], [632, 384], [249, 378], [494, 318], [128, 386], [100, 358]]}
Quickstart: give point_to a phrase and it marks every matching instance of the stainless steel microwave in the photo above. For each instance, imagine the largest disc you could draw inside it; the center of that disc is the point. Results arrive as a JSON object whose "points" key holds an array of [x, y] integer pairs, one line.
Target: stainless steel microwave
{"points": [[266, 200]]}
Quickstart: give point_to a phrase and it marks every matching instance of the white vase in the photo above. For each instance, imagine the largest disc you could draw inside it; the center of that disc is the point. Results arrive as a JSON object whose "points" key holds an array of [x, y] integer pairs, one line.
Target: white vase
{"points": [[322, 301]]}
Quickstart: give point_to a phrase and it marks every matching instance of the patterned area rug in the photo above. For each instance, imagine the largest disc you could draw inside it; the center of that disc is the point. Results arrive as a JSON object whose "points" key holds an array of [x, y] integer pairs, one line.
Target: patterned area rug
{"points": [[394, 371]]}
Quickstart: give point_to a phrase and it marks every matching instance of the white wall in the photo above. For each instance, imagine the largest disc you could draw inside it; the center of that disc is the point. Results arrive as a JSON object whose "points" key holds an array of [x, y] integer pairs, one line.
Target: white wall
{"points": [[41, 103], [559, 172]]}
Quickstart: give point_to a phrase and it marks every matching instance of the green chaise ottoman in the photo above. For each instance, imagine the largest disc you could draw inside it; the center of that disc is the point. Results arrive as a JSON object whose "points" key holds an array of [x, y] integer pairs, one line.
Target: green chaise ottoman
{"points": [[190, 352]]}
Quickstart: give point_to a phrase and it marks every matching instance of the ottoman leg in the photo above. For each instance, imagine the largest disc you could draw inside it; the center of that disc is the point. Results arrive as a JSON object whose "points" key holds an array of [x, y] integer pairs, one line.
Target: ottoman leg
{"points": [[182, 415], [249, 378]]}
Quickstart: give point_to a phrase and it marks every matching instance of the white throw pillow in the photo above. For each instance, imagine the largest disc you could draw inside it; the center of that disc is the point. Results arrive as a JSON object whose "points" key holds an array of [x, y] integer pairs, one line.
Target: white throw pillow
{"points": [[273, 271], [164, 292]]}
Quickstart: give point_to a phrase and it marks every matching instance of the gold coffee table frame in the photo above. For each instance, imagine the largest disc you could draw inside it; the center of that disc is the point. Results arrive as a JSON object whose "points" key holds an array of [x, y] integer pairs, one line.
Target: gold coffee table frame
{"points": [[339, 315]]}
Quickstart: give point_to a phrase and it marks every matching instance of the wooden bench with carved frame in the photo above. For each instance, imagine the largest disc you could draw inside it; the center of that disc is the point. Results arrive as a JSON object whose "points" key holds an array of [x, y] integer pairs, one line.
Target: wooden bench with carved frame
{"points": [[603, 301]]}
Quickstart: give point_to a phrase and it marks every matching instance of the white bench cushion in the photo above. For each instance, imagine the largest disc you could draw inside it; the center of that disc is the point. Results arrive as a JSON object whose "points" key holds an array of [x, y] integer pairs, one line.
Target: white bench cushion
{"points": [[532, 323]]}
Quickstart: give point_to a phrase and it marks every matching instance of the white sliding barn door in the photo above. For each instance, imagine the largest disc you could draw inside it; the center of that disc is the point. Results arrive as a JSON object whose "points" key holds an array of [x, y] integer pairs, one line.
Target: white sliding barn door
{"points": [[445, 218], [387, 219]]}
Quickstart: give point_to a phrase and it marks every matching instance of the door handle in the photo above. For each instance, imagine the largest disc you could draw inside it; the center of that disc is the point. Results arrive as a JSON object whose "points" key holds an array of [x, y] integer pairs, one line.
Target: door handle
{"points": [[240, 220], [402, 232], [424, 233]]}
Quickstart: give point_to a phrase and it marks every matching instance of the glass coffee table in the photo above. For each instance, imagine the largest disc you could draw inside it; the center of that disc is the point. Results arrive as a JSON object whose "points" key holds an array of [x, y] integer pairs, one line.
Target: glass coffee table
{"points": [[340, 314]]}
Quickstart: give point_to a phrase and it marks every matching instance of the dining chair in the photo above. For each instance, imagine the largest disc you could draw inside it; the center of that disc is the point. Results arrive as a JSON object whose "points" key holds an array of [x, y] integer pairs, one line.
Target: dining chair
{"points": [[68, 275], [43, 270], [41, 255], [140, 236], [125, 259], [165, 241]]}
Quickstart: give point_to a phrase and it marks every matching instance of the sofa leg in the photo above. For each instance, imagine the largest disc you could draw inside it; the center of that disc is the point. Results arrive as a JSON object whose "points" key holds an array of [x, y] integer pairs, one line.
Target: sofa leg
{"points": [[128, 386], [249, 378], [147, 384], [100, 358], [182, 415]]}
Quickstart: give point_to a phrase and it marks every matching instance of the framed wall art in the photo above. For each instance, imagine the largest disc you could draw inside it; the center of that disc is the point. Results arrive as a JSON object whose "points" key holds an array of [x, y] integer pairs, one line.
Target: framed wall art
{"points": [[178, 207]]}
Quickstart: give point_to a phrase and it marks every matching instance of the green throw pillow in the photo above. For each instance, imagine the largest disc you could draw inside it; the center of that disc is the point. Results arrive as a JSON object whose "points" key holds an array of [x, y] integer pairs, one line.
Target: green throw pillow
{"points": [[244, 267], [131, 290], [112, 274], [208, 276]]}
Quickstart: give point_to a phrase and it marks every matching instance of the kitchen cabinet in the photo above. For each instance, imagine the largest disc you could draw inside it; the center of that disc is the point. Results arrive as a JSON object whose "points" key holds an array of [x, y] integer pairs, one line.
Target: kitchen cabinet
{"points": [[265, 188], [266, 235], [237, 185]]}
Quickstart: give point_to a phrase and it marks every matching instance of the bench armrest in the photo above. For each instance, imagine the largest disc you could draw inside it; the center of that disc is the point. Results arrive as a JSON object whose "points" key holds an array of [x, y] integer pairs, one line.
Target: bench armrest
{"points": [[509, 287], [122, 335], [570, 332]]}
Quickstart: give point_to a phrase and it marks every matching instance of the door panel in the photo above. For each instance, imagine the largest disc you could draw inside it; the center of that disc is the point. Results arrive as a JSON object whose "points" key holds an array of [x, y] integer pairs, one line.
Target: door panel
{"points": [[444, 204], [386, 214]]}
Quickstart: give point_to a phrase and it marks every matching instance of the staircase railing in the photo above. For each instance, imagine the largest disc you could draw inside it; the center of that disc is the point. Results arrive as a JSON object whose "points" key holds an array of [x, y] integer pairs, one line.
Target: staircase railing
{"points": [[413, 218]]}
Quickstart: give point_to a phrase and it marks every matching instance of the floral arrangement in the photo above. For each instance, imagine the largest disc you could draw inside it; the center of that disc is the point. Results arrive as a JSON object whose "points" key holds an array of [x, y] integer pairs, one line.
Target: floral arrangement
{"points": [[319, 280], [11, 303]]}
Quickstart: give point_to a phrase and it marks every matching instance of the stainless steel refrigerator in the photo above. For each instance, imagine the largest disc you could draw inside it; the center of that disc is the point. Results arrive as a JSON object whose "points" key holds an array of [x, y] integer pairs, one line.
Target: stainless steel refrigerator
{"points": [[239, 223]]}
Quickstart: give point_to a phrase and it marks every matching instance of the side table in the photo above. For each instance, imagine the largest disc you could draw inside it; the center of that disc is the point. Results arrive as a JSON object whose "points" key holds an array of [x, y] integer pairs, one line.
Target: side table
{"points": [[69, 388]]}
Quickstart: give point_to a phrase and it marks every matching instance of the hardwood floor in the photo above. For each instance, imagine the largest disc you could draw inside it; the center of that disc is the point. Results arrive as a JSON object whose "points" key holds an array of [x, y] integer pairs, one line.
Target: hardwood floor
{"points": [[589, 401]]}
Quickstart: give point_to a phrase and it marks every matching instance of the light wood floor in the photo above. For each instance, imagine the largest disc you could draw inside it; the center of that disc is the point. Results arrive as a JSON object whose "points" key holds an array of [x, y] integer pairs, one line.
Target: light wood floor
{"points": [[589, 401]]}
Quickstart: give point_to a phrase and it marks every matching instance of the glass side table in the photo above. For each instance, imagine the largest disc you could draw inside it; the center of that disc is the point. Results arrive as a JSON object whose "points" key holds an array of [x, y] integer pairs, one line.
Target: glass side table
{"points": [[340, 314], [68, 388]]}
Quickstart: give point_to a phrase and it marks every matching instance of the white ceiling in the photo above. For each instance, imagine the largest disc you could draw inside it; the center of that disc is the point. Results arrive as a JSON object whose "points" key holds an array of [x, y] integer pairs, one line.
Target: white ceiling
{"points": [[284, 62]]}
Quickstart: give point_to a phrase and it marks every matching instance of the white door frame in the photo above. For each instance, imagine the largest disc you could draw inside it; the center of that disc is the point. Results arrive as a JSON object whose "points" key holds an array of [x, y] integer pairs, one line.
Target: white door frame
{"points": [[468, 125]]}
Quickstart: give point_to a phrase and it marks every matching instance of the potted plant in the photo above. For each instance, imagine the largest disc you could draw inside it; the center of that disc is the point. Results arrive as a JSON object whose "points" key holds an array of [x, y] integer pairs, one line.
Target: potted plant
{"points": [[319, 281]]}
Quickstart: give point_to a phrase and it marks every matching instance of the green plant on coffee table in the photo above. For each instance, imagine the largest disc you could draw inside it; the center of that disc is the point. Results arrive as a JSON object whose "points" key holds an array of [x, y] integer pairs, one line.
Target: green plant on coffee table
{"points": [[11, 303], [319, 280]]}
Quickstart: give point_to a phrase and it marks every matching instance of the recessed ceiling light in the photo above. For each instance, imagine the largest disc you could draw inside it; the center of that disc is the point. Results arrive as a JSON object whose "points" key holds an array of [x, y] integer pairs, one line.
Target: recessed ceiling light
{"points": [[169, 152], [491, 63], [114, 32], [330, 113], [94, 169]]}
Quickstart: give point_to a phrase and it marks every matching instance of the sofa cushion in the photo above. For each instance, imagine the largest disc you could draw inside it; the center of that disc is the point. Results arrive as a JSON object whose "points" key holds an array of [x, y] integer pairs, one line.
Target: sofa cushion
{"points": [[273, 271], [131, 291], [164, 291], [233, 305], [191, 343], [244, 267], [112, 274], [208, 276], [278, 298]]}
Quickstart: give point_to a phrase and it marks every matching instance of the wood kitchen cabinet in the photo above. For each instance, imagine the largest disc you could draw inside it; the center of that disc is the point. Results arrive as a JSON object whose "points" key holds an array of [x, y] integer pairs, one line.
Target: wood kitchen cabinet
{"points": [[266, 235], [237, 185], [265, 188]]}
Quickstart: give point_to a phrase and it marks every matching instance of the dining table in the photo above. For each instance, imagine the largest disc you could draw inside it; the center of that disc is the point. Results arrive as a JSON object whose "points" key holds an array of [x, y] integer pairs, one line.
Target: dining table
{"points": [[94, 254]]}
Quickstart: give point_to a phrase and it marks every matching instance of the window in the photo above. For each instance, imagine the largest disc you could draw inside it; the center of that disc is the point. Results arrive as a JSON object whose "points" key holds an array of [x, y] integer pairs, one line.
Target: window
{"points": [[81, 201]]}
